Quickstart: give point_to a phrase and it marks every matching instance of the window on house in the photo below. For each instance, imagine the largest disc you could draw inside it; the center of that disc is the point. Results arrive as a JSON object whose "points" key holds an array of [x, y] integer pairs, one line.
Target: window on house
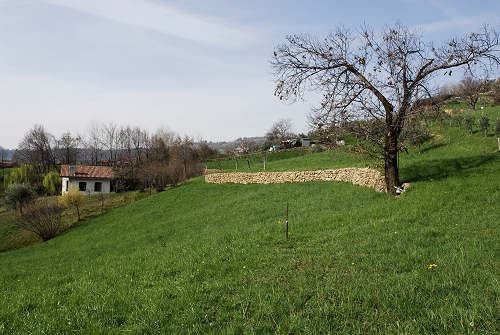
{"points": [[67, 185], [82, 186], [97, 187]]}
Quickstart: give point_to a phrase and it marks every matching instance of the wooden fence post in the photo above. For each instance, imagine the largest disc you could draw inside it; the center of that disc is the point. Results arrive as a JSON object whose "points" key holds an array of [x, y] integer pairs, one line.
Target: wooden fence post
{"points": [[287, 220]]}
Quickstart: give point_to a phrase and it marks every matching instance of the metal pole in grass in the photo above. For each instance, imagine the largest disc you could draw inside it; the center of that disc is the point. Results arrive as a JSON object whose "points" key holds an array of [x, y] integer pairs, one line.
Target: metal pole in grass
{"points": [[287, 220]]}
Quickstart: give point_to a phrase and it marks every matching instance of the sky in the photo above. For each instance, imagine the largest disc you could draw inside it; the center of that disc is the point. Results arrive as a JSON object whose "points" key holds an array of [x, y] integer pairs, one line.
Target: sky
{"points": [[199, 68]]}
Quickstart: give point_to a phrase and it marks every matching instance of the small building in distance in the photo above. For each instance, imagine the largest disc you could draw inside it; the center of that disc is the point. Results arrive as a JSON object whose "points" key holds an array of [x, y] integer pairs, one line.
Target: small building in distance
{"points": [[88, 179], [306, 142]]}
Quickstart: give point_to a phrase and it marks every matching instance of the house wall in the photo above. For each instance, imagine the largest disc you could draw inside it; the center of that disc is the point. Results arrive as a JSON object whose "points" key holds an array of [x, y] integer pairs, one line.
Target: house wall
{"points": [[74, 182]]}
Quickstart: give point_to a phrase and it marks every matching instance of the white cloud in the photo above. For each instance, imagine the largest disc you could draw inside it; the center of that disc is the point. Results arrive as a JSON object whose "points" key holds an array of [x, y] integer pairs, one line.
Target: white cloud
{"points": [[166, 19]]}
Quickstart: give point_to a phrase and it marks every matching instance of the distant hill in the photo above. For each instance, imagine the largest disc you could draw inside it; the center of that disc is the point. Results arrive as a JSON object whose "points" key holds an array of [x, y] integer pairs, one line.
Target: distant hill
{"points": [[223, 147]]}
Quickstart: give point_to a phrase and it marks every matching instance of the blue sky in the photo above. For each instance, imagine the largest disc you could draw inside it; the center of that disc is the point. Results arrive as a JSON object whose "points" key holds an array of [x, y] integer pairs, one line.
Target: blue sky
{"points": [[200, 68]]}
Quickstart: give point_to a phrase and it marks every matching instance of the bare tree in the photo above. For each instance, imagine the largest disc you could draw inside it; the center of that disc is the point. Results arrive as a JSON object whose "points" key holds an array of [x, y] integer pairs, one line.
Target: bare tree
{"points": [[124, 145], [280, 130], [139, 139], [367, 75], [110, 138], [36, 148], [93, 143], [204, 151], [68, 148], [246, 145], [470, 89]]}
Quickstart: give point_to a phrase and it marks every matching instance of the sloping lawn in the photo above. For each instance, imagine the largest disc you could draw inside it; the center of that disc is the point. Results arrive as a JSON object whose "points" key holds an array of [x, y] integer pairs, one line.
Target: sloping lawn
{"points": [[212, 259], [13, 239], [206, 258]]}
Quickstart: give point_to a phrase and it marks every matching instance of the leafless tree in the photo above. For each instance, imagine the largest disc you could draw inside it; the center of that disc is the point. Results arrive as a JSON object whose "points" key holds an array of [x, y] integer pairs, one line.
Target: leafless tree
{"points": [[93, 143], [448, 89], [246, 145], [110, 138], [470, 89], [366, 75], [280, 130], [139, 142], [68, 148], [36, 148], [124, 147], [204, 151]]}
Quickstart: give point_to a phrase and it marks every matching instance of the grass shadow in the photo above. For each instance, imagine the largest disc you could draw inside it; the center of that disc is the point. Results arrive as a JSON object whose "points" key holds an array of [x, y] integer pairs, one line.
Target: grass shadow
{"points": [[432, 147], [437, 169]]}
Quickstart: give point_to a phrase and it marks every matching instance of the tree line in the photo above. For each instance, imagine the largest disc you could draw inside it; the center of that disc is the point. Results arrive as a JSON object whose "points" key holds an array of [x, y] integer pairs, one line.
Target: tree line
{"points": [[141, 159]]}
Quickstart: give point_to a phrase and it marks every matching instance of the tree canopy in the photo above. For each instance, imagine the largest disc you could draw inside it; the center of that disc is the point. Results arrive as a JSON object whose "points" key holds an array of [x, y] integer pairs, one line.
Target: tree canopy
{"points": [[362, 74]]}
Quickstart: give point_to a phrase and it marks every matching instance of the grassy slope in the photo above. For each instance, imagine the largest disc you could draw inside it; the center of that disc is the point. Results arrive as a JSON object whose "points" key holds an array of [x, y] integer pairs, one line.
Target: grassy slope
{"points": [[13, 239], [212, 258], [304, 159]]}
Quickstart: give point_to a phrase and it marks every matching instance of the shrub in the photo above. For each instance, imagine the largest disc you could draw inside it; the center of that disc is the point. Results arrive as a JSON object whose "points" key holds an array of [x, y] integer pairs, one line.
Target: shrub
{"points": [[469, 122], [17, 196], [484, 124], [317, 148], [52, 183], [496, 96], [73, 198], [497, 127], [415, 134], [41, 217], [459, 120]]}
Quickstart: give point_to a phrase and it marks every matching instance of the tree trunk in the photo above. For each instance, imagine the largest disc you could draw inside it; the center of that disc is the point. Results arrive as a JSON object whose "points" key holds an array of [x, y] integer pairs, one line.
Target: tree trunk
{"points": [[78, 212], [391, 162]]}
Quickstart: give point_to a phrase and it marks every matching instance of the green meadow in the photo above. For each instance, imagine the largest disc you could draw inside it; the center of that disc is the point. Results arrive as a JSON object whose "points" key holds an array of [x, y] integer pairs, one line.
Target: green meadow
{"points": [[93, 205], [213, 259]]}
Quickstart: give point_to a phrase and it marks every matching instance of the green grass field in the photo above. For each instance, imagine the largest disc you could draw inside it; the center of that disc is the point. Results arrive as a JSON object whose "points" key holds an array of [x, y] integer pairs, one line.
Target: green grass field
{"points": [[13, 239], [204, 258]]}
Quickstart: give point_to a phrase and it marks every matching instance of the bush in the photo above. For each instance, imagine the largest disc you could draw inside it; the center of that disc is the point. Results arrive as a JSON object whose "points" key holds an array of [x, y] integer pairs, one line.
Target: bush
{"points": [[73, 198], [52, 183], [17, 196], [415, 134], [41, 217], [496, 96], [469, 123], [459, 120], [484, 124], [497, 127], [317, 148]]}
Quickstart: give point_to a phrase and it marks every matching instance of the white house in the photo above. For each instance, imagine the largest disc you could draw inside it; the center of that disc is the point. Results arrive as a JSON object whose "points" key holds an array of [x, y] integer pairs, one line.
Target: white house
{"points": [[88, 179]]}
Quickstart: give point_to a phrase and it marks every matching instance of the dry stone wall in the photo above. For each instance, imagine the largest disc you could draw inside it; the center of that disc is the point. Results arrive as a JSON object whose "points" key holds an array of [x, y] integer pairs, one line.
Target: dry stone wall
{"points": [[358, 176]]}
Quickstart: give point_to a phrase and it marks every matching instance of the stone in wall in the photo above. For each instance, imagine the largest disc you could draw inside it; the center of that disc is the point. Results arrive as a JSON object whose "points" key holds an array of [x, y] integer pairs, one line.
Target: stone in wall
{"points": [[359, 176]]}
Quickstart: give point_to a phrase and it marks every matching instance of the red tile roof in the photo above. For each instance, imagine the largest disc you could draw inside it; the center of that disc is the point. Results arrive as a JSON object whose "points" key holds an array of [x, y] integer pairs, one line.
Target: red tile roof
{"points": [[86, 171]]}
